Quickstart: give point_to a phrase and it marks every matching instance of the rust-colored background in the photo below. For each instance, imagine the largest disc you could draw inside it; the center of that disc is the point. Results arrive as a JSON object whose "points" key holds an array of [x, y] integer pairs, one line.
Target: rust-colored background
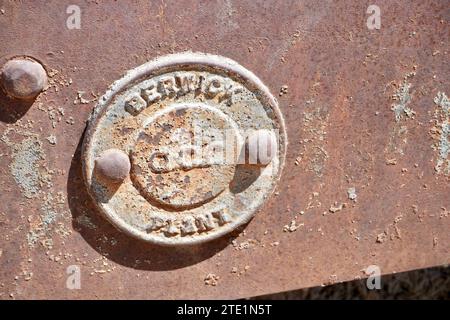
{"points": [[342, 133]]}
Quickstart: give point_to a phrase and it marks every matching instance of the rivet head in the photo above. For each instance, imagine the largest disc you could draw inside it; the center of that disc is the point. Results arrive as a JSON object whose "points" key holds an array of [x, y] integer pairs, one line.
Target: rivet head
{"points": [[262, 147], [23, 78], [113, 164]]}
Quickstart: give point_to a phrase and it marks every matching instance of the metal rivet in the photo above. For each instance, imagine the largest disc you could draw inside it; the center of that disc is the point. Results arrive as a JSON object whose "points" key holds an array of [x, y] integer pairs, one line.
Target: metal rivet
{"points": [[113, 164], [23, 78], [262, 147]]}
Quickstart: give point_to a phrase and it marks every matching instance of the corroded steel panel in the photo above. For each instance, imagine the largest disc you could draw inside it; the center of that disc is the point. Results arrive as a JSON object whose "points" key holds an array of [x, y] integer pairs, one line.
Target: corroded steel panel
{"points": [[366, 177]]}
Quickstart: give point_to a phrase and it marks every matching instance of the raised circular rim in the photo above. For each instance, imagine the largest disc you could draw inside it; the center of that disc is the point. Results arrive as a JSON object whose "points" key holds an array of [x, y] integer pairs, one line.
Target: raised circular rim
{"points": [[154, 68], [176, 106]]}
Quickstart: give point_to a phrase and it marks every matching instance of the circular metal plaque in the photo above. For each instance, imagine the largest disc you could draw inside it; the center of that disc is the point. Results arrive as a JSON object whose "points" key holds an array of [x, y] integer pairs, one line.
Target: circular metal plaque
{"points": [[184, 121]]}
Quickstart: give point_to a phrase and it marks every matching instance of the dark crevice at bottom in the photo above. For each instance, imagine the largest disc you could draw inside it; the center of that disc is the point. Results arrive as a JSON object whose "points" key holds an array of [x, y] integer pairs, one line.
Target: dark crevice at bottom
{"points": [[432, 283]]}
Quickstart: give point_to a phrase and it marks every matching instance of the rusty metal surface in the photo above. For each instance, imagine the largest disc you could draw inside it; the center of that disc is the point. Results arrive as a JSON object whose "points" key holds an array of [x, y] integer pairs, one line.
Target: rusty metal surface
{"points": [[366, 180]]}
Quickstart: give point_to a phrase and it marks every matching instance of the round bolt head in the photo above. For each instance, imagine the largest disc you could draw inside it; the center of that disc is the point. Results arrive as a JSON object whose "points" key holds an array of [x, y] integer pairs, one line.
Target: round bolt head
{"points": [[113, 164], [23, 79], [262, 147]]}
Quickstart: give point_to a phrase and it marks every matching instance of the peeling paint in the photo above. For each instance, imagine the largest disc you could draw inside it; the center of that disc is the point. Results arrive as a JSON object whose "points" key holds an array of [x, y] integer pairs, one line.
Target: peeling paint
{"points": [[42, 225], [398, 138], [443, 130], [404, 98], [25, 166], [30, 171]]}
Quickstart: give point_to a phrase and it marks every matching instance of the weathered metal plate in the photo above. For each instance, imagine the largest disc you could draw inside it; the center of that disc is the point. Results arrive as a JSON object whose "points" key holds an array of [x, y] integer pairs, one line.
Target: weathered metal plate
{"points": [[183, 119], [337, 80]]}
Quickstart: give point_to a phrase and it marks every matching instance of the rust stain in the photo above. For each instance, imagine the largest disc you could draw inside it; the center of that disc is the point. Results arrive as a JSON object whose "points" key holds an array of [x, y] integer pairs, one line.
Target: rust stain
{"points": [[48, 221]]}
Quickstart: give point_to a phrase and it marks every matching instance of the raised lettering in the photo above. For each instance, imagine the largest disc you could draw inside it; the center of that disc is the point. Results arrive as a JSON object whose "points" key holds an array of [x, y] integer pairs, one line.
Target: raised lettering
{"points": [[151, 94], [205, 222]]}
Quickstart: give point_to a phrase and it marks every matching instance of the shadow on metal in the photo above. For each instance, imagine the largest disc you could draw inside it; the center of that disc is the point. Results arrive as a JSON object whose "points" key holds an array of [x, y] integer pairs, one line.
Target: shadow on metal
{"points": [[12, 110], [124, 249]]}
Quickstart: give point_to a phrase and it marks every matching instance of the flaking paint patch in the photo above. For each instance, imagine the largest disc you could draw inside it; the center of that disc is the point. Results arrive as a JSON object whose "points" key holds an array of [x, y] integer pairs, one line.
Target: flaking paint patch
{"points": [[398, 138], [442, 129], [30, 171], [402, 95], [25, 165], [43, 226]]}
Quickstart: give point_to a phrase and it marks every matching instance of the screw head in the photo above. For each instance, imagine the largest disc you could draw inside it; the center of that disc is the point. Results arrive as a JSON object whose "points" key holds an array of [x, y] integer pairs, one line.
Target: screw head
{"points": [[23, 78], [261, 146], [113, 164]]}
